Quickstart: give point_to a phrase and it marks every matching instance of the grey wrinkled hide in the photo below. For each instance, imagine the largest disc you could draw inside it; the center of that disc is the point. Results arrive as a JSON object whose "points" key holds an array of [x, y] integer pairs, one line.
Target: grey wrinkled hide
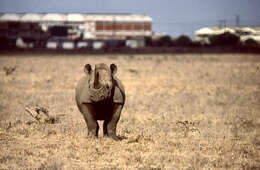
{"points": [[100, 96]]}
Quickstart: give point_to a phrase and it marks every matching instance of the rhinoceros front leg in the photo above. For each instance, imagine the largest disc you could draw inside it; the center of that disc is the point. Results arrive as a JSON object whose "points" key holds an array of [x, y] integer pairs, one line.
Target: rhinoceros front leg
{"points": [[90, 118], [109, 127]]}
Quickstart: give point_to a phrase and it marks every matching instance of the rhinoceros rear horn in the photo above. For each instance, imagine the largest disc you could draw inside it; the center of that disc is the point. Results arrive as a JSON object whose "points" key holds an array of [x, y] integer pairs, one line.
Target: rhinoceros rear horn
{"points": [[113, 69], [87, 69]]}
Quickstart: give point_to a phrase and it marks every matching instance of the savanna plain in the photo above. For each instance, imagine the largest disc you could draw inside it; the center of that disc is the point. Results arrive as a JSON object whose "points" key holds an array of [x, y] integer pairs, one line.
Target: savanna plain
{"points": [[182, 111]]}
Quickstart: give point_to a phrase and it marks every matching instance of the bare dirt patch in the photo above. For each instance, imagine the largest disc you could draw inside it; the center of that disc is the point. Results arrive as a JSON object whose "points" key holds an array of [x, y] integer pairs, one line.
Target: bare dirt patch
{"points": [[186, 111]]}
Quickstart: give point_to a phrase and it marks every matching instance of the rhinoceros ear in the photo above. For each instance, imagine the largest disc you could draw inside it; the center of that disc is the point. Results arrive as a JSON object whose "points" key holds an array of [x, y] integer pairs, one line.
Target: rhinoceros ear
{"points": [[113, 69], [87, 69]]}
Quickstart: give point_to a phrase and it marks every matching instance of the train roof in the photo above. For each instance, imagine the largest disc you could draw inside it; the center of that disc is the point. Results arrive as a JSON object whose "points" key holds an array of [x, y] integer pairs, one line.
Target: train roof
{"points": [[72, 17]]}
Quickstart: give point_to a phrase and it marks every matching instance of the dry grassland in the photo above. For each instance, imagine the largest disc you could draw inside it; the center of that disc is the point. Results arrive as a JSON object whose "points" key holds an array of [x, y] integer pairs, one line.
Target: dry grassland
{"points": [[189, 111]]}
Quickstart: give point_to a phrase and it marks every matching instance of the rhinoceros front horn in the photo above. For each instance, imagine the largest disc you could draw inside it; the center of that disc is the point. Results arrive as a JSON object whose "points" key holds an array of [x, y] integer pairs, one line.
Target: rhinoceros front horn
{"points": [[96, 80]]}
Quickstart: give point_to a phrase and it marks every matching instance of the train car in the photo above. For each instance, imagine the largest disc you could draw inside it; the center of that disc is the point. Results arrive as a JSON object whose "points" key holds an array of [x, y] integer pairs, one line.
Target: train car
{"points": [[119, 26], [58, 30]]}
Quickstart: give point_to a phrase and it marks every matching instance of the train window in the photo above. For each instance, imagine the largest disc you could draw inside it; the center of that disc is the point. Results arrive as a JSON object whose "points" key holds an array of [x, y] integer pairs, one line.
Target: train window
{"points": [[13, 25], [118, 26], [99, 26], [128, 26], [3, 25], [59, 31], [109, 26], [147, 27], [25, 26], [138, 26]]}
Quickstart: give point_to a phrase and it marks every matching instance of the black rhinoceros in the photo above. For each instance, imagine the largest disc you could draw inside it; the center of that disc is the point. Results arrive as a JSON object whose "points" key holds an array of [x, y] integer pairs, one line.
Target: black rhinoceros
{"points": [[100, 96]]}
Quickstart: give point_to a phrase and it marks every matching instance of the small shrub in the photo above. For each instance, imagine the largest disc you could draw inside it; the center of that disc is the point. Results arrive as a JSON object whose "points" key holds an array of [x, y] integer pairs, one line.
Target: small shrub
{"points": [[225, 39], [148, 41], [9, 70], [251, 42], [165, 41], [182, 40]]}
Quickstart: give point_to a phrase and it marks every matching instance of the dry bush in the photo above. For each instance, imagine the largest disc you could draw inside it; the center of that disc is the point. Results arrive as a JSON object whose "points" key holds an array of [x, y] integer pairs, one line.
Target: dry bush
{"points": [[225, 39], [183, 40], [9, 70]]}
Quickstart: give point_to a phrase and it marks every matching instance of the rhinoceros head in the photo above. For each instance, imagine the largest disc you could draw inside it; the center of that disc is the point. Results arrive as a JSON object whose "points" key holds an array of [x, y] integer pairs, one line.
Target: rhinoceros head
{"points": [[100, 81]]}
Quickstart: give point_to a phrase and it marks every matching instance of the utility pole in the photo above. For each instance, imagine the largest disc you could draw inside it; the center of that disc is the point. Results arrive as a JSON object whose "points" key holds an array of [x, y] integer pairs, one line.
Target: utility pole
{"points": [[237, 20]]}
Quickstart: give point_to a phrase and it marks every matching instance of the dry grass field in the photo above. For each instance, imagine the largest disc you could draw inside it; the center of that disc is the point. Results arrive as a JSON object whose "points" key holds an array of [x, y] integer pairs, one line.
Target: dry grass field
{"points": [[185, 111]]}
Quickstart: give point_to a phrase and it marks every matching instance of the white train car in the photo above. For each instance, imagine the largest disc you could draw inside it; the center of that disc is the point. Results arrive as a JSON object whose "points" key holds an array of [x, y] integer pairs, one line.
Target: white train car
{"points": [[119, 26]]}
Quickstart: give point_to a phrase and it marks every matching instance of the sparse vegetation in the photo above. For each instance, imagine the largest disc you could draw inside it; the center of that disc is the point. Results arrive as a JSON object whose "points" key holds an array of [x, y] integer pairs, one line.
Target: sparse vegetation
{"points": [[165, 41], [190, 111], [9, 70], [251, 43], [225, 39], [183, 40]]}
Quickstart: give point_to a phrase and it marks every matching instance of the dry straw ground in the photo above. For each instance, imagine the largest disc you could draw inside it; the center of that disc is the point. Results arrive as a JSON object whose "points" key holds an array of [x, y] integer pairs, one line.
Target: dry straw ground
{"points": [[190, 111]]}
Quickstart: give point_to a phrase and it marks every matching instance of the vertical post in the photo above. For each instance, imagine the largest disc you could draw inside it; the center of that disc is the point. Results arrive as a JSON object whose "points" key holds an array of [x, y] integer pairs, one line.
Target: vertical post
{"points": [[237, 20], [114, 27]]}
